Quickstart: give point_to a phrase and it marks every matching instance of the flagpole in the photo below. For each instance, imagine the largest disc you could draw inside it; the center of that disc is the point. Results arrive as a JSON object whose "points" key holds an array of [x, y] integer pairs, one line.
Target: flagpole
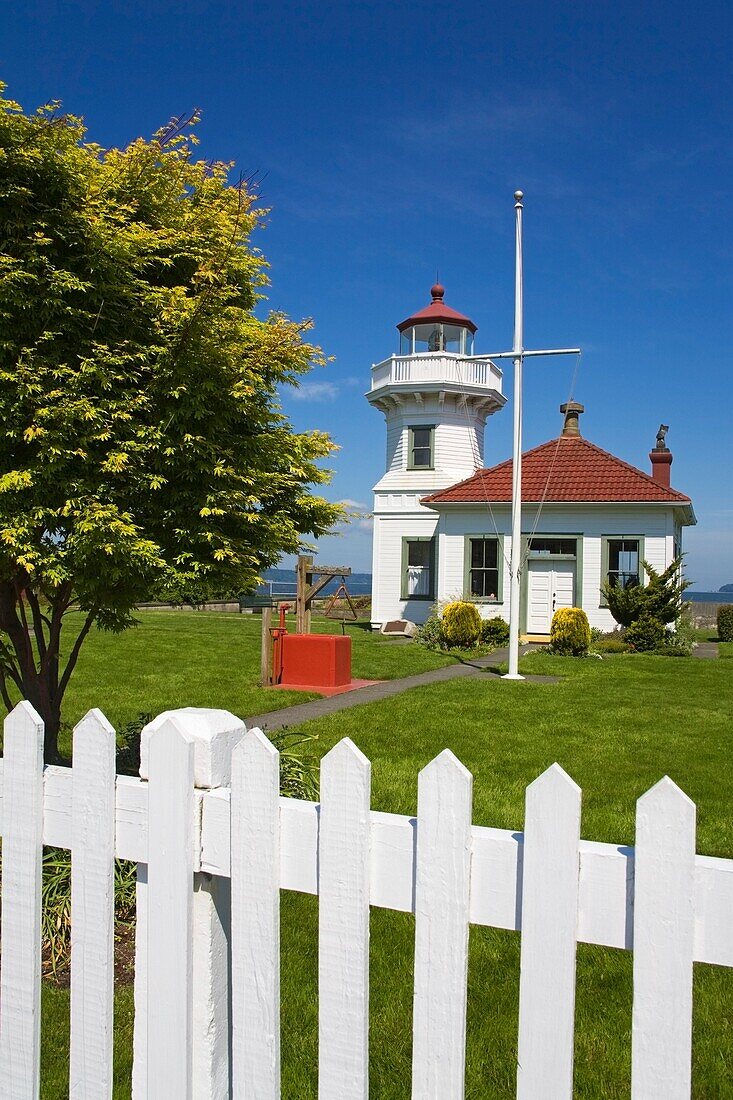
{"points": [[518, 354]]}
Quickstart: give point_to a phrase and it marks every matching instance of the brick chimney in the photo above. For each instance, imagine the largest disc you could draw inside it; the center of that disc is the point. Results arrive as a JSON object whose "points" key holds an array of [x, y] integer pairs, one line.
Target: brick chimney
{"points": [[661, 458], [571, 411]]}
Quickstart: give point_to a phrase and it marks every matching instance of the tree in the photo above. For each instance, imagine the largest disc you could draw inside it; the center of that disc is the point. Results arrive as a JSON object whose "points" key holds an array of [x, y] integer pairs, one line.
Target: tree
{"points": [[142, 445], [660, 599]]}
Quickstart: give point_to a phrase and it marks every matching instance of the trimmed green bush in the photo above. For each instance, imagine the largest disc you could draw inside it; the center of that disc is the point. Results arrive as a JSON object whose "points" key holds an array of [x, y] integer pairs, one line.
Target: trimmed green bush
{"points": [[646, 634], [461, 624], [495, 632], [570, 632], [725, 623], [430, 634]]}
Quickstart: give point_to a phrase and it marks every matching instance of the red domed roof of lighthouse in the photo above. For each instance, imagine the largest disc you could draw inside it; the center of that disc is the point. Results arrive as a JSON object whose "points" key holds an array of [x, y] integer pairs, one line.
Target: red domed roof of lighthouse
{"points": [[437, 311]]}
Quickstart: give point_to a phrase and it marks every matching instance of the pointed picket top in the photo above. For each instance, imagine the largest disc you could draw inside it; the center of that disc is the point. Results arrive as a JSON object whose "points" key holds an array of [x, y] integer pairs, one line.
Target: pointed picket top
{"points": [[445, 763], [24, 718], [343, 752], [255, 745], [168, 732], [94, 724], [554, 778], [666, 794]]}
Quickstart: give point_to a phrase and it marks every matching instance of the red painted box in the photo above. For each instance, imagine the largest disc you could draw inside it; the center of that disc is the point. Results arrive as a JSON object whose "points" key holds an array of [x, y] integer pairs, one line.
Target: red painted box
{"points": [[316, 660]]}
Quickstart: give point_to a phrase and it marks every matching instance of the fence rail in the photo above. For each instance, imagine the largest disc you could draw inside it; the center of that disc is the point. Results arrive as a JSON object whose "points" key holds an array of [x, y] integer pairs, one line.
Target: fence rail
{"points": [[208, 816]]}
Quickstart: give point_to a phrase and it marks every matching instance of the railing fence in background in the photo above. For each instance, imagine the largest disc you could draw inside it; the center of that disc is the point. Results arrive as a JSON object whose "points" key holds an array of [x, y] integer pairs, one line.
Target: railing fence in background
{"points": [[215, 844]]}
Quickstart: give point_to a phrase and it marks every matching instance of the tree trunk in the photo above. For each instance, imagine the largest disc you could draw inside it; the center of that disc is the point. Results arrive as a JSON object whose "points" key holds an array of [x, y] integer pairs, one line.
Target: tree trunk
{"points": [[37, 693]]}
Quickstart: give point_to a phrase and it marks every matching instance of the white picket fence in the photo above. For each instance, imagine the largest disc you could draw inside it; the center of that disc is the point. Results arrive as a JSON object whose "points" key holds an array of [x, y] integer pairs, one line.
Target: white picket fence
{"points": [[208, 827]]}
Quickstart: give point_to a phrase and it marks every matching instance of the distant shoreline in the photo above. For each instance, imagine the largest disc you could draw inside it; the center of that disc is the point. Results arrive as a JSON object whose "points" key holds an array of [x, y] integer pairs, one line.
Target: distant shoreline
{"points": [[709, 597]]}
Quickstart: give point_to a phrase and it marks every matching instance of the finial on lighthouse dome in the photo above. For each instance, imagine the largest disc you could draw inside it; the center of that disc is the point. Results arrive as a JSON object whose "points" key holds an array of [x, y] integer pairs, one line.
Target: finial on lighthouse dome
{"points": [[437, 292]]}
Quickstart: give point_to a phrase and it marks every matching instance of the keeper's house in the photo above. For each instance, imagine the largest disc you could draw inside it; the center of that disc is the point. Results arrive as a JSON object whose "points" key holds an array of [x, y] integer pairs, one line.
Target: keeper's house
{"points": [[442, 522]]}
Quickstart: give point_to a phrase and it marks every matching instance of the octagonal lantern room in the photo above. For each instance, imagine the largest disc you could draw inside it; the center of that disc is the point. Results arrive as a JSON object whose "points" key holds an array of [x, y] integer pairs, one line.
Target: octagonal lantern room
{"points": [[437, 327]]}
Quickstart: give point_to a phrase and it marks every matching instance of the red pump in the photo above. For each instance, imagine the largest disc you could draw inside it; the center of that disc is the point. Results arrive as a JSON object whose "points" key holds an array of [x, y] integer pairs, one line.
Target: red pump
{"points": [[278, 633]]}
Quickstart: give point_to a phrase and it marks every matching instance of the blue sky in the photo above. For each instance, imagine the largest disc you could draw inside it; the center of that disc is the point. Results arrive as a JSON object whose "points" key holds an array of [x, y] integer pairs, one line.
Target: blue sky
{"points": [[389, 139]]}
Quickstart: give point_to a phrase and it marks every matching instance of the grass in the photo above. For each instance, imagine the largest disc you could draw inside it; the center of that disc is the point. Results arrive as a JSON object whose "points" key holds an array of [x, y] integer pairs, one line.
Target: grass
{"points": [[208, 659], [615, 725]]}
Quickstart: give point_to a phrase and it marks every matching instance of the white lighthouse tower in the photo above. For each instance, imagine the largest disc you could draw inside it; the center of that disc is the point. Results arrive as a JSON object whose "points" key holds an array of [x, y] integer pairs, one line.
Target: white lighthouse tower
{"points": [[436, 396]]}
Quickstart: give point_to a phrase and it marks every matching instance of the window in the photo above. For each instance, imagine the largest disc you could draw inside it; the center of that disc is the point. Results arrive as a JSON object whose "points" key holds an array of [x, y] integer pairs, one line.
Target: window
{"points": [[418, 569], [483, 579], [546, 547], [420, 447], [623, 562]]}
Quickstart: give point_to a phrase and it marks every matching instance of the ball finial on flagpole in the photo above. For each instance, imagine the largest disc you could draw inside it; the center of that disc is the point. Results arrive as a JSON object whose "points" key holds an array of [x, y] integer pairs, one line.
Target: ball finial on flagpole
{"points": [[519, 195]]}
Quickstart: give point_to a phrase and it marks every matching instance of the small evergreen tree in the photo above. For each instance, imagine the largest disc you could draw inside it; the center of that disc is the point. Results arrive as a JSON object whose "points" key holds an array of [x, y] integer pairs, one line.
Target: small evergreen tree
{"points": [[662, 597]]}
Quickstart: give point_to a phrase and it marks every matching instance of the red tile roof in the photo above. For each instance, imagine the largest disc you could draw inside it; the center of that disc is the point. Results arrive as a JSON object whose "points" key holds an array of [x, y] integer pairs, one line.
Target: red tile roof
{"points": [[577, 470]]}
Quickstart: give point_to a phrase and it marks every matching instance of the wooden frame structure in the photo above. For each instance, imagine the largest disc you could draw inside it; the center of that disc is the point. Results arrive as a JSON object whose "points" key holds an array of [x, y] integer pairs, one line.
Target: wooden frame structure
{"points": [[308, 588]]}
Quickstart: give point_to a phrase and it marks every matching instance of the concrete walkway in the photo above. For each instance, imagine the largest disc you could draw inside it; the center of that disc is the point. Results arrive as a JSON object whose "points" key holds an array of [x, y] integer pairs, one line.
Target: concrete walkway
{"points": [[319, 708], [706, 651]]}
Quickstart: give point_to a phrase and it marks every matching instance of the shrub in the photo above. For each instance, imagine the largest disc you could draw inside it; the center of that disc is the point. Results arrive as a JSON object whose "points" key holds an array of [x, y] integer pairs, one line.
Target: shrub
{"points": [[668, 649], [611, 645], [461, 624], [430, 634], [570, 632], [725, 623], [495, 632], [646, 634], [661, 598]]}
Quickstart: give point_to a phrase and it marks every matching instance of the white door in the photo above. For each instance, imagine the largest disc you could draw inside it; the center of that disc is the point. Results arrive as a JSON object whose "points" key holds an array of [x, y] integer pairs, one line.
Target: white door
{"points": [[551, 584]]}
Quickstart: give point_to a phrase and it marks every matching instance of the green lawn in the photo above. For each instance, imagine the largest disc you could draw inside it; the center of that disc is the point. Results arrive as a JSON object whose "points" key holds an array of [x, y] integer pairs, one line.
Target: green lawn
{"points": [[616, 725], [208, 659]]}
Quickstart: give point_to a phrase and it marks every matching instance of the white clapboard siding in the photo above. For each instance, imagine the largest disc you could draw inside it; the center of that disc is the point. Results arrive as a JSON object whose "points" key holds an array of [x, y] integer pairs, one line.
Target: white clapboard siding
{"points": [[444, 800], [170, 910], [20, 975], [663, 944], [343, 925], [255, 873], [92, 909], [549, 919]]}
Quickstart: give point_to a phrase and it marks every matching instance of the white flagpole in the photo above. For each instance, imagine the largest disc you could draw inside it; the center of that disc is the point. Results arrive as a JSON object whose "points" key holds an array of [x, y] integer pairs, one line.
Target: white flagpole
{"points": [[518, 353]]}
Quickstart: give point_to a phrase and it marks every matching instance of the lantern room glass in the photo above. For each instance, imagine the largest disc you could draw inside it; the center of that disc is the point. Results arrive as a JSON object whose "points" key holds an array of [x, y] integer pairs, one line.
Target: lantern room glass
{"points": [[436, 337]]}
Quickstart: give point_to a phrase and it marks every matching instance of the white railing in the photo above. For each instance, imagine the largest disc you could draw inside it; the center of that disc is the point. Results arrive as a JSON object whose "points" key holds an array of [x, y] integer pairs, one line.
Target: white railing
{"points": [[434, 367], [209, 818]]}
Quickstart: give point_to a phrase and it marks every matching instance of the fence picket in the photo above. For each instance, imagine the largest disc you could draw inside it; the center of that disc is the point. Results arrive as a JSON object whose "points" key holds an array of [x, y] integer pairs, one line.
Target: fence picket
{"points": [[171, 806], [20, 975], [664, 918], [343, 924], [255, 872], [442, 887], [549, 923], [92, 908]]}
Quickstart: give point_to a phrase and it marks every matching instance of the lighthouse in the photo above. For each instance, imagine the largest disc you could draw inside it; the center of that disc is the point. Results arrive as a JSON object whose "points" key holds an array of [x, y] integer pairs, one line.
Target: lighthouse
{"points": [[436, 396]]}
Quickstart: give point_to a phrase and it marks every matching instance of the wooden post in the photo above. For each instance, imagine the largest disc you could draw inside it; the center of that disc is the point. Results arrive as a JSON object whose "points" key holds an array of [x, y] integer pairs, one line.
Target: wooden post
{"points": [[213, 735], [266, 655], [302, 603]]}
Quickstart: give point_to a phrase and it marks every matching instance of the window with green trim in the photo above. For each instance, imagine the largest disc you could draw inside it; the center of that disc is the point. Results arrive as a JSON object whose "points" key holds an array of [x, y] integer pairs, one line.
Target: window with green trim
{"points": [[420, 447], [622, 557], [418, 569], [483, 569]]}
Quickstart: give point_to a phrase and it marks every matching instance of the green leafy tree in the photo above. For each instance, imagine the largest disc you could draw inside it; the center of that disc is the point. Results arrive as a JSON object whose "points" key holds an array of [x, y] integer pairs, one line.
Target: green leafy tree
{"points": [[662, 598], [142, 443]]}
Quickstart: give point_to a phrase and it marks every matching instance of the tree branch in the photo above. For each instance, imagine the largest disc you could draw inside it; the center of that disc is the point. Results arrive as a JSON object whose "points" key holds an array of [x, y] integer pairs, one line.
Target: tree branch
{"points": [[74, 655], [4, 692], [37, 621]]}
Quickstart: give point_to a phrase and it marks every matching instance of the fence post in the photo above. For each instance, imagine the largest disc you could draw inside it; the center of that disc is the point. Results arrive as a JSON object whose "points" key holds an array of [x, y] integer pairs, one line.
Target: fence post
{"points": [[214, 734]]}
